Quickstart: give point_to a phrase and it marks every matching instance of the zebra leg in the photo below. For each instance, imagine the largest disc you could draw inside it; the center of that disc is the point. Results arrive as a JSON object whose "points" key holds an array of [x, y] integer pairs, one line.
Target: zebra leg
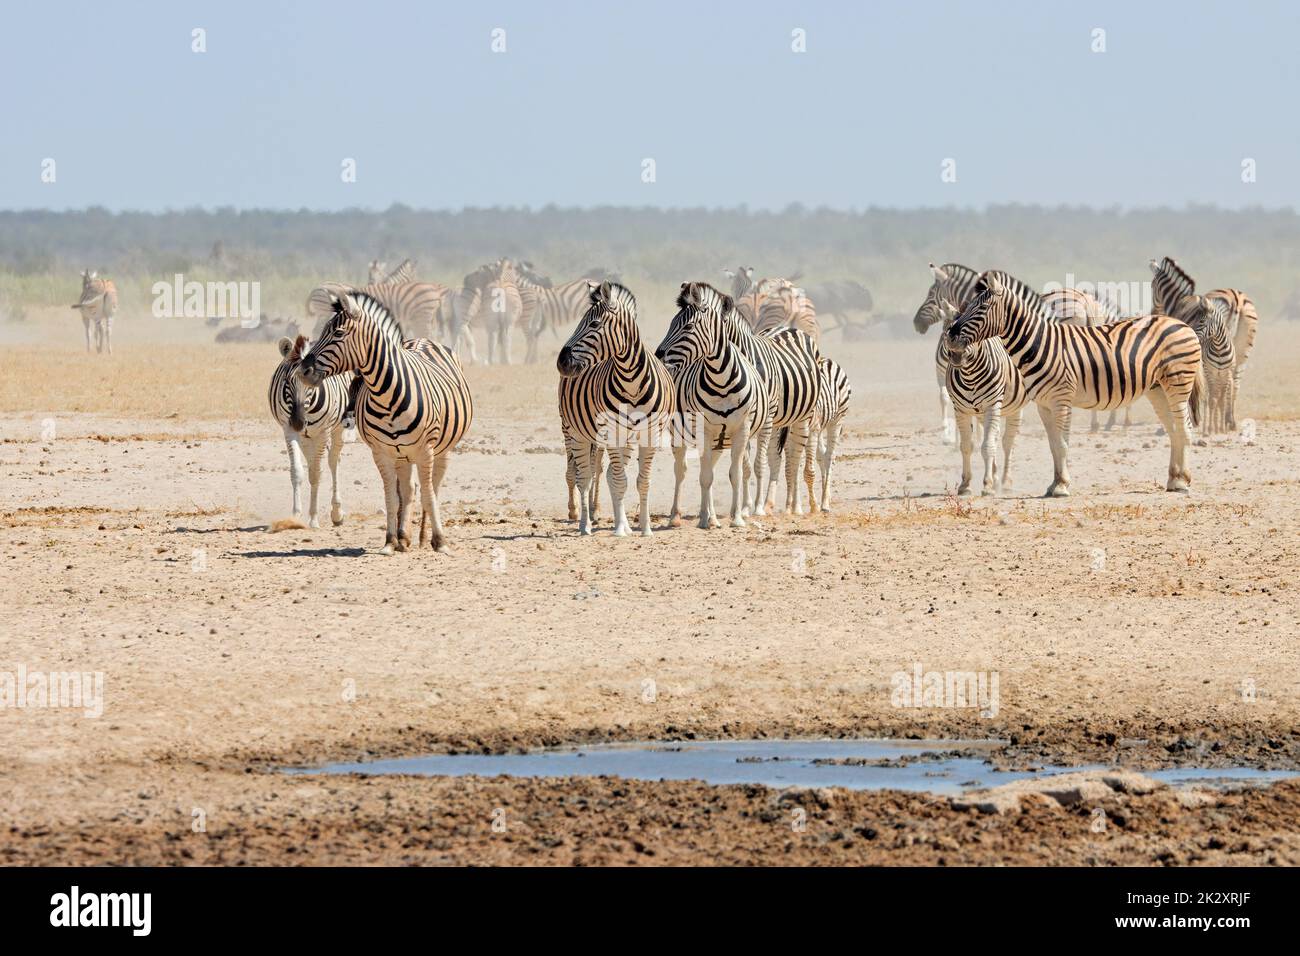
{"points": [[584, 457], [989, 448], [1232, 401], [739, 456], [761, 466], [645, 457], [1172, 414], [85, 323], [1056, 420], [405, 493], [966, 435], [292, 441], [388, 474], [617, 479], [1092, 424], [706, 520], [571, 480], [597, 458], [946, 415], [679, 475], [432, 469], [315, 454], [794, 449], [1010, 429], [336, 499], [108, 334], [505, 342], [806, 463], [827, 460]]}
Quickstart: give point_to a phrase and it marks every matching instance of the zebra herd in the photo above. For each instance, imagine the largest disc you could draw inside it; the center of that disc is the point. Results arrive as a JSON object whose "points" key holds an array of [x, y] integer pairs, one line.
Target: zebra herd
{"points": [[1003, 345], [714, 383], [742, 372]]}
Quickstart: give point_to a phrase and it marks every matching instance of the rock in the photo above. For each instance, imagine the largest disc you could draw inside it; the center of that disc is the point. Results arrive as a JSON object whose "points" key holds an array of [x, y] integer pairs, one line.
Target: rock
{"points": [[1063, 789], [1194, 799]]}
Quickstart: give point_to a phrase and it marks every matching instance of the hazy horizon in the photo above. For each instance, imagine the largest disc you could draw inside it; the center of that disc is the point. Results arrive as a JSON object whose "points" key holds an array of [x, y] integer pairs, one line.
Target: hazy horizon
{"points": [[1028, 101]]}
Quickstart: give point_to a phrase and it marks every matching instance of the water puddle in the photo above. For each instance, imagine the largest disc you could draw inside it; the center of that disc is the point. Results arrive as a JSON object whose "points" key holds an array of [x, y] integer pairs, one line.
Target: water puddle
{"points": [[931, 766]]}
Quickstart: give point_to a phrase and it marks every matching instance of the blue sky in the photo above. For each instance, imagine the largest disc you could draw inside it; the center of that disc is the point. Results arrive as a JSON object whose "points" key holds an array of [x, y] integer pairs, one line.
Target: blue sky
{"points": [[711, 91]]}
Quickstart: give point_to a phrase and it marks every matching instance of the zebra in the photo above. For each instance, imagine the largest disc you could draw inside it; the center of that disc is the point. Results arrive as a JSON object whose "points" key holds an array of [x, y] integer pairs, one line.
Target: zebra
{"points": [[97, 305], [413, 305], [548, 306], [786, 359], [613, 394], [1076, 307], [1173, 290], [413, 406], [379, 274], [788, 307], [1211, 319], [984, 386], [465, 305], [833, 395], [721, 401], [504, 307], [1105, 367], [313, 419]]}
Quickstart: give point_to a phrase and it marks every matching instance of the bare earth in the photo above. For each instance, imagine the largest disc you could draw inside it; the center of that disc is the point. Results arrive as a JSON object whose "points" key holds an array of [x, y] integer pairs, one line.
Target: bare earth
{"points": [[135, 542]]}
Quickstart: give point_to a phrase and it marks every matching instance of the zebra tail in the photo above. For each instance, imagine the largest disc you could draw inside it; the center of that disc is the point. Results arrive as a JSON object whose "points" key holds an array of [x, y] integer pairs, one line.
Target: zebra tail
{"points": [[781, 439], [1194, 398]]}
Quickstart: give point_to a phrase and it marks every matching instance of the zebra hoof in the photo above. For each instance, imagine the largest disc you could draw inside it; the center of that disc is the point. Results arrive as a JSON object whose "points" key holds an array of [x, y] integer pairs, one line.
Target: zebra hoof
{"points": [[675, 521], [987, 492], [573, 514], [386, 549], [314, 524], [1058, 490], [337, 519], [1179, 484], [738, 522], [964, 492]]}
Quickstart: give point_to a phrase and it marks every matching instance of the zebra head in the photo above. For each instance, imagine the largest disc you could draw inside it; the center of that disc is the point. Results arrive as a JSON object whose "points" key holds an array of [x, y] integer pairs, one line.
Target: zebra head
{"points": [[342, 344], [607, 329], [931, 310], [696, 330], [983, 318], [741, 280], [295, 395], [1170, 285]]}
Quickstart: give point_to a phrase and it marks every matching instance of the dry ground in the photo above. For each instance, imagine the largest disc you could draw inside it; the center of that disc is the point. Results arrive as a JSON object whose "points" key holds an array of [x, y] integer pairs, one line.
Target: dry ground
{"points": [[135, 495]]}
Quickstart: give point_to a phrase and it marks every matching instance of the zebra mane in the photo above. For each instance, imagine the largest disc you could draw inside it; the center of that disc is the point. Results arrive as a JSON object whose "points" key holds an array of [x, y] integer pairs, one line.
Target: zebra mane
{"points": [[612, 297], [1171, 269], [704, 298], [372, 308]]}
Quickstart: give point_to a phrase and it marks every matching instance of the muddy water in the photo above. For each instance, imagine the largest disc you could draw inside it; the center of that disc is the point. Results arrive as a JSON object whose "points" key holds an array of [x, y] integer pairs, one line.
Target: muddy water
{"points": [[932, 766]]}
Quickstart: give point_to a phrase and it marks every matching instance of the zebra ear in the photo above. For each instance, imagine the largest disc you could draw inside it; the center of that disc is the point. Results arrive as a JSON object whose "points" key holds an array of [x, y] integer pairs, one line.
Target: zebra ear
{"points": [[1155, 266], [344, 304], [728, 303], [286, 346], [993, 284], [938, 272]]}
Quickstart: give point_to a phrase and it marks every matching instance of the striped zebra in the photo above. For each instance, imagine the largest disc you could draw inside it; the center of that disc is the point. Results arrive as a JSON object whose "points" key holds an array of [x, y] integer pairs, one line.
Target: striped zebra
{"points": [[787, 361], [613, 394], [788, 307], [1106, 367], [1211, 320], [833, 395], [313, 419], [97, 306], [1172, 292], [547, 306], [1076, 307], [502, 307], [744, 292], [721, 401], [955, 283], [380, 274], [413, 305], [413, 406], [986, 387]]}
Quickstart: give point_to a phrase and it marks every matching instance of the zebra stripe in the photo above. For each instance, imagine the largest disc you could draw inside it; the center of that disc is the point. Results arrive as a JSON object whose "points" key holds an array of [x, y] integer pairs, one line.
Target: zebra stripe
{"points": [[413, 406], [413, 305], [97, 306], [550, 307], [833, 395], [788, 308], [313, 420], [379, 274], [721, 401], [1105, 367], [1173, 292], [613, 394], [503, 307]]}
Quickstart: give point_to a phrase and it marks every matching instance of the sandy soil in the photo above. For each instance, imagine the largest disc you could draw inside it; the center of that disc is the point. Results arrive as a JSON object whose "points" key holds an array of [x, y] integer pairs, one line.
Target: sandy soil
{"points": [[135, 542]]}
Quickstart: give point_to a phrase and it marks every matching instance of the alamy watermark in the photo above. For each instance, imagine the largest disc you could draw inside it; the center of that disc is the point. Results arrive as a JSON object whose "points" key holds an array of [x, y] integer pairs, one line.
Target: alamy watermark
{"points": [[201, 300], [24, 690], [920, 688]]}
